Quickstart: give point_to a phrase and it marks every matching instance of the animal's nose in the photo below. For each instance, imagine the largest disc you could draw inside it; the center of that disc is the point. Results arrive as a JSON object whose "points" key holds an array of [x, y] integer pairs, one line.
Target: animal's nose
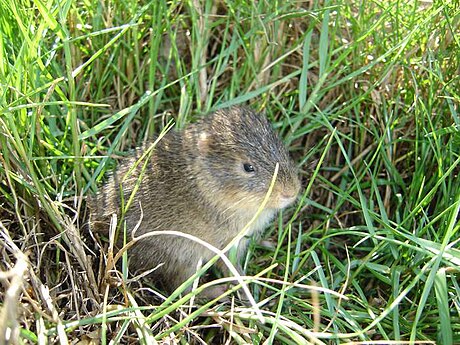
{"points": [[292, 189], [289, 195]]}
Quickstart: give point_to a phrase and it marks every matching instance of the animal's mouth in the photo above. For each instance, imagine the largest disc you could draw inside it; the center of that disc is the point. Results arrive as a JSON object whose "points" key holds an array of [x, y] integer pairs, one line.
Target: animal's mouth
{"points": [[287, 195], [286, 200]]}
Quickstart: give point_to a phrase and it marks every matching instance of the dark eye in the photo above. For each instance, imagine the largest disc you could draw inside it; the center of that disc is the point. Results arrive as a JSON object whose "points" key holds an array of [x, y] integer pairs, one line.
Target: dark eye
{"points": [[248, 168]]}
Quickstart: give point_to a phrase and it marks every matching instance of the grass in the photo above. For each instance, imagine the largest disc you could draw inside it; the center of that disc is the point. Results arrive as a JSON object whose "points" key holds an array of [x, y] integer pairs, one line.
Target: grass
{"points": [[366, 95]]}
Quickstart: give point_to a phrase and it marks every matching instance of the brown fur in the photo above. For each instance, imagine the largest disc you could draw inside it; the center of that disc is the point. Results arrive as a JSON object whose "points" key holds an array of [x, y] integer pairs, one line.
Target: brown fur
{"points": [[195, 183]]}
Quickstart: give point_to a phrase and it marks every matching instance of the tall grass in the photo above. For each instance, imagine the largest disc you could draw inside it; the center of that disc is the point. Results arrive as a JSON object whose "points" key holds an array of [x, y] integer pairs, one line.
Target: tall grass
{"points": [[365, 93]]}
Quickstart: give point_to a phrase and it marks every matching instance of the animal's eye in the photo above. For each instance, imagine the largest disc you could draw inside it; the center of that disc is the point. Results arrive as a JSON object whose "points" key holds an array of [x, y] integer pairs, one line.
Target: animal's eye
{"points": [[249, 168]]}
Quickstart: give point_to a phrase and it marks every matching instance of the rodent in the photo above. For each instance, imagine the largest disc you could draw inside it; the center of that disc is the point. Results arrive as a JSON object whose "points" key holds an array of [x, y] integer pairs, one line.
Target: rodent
{"points": [[207, 180]]}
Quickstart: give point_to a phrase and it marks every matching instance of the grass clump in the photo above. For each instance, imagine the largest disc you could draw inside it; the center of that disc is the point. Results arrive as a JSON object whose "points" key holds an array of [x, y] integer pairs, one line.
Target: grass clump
{"points": [[367, 89]]}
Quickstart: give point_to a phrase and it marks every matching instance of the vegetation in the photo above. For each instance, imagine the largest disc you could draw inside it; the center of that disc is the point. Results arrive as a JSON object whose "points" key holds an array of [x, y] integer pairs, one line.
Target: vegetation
{"points": [[365, 93]]}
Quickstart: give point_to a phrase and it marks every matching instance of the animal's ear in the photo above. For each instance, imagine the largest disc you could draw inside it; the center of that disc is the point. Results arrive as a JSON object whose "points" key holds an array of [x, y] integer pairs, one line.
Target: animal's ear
{"points": [[203, 142]]}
